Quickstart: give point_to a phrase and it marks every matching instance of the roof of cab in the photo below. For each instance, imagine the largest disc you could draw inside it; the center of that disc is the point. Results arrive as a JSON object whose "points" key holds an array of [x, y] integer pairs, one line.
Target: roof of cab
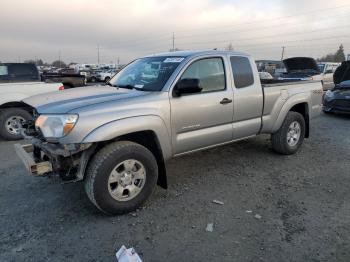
{"points": [[197, 53]]}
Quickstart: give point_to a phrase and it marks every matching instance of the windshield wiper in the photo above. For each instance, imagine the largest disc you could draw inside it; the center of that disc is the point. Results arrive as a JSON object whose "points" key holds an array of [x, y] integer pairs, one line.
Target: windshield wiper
{"points": [[125, 86]]}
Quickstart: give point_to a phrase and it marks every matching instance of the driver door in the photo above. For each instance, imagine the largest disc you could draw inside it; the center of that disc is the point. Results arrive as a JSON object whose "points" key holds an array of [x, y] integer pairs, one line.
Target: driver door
{"points": [[203, 119]]}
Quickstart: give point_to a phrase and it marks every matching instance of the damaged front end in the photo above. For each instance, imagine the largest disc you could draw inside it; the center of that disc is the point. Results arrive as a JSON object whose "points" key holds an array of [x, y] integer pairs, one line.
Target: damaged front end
{"points": [[42, 157]]}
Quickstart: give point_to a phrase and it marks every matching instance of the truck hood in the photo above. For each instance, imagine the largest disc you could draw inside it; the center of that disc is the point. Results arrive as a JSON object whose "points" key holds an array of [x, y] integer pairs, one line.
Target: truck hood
{"points": [[300, 63], [342, 73], [65, 101]]}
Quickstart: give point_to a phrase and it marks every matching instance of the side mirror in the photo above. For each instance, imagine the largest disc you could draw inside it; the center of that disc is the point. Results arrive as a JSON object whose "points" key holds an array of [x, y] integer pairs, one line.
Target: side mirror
{"points": [[187, 86]]}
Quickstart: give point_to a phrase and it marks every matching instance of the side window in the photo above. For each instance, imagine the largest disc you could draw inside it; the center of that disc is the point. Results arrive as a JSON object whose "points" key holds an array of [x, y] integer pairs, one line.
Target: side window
{"points": [[23, 71], [242, 71], [210, 72]]}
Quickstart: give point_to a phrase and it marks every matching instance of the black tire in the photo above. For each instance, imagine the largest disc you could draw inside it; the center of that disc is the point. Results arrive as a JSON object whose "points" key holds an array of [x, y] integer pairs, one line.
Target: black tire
{"points": [[107, 79], [100, 168], [279, 139], [93, 79], [6, 114]]}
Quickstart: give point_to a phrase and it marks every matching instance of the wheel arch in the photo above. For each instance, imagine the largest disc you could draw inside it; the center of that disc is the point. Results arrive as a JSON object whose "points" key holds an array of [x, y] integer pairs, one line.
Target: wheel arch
{"points": [[148, 131], [300, 105], [16, 104]]}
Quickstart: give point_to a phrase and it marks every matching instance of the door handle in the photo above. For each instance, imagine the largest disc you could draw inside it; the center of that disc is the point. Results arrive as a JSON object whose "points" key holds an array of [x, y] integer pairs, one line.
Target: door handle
{"points": [[225, 101]]}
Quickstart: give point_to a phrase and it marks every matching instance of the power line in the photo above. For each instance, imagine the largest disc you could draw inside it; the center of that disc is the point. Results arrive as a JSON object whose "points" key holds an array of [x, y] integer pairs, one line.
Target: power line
{"points": [[276, 18], [257, 28], [152, 38]]}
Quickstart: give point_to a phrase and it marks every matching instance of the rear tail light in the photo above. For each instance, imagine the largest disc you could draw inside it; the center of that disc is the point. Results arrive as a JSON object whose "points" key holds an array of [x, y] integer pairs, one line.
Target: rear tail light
{"points": [[61, 88]]}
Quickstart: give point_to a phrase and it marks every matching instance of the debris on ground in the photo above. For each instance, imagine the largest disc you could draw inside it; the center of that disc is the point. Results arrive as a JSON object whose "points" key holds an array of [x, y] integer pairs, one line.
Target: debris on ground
{"points": [[218, 202], [248, 211], [127, 255], [210, 227], [257, 216]]}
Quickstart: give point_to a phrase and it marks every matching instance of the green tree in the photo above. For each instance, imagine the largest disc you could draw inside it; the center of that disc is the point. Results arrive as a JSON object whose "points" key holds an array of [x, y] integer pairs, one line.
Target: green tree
{"points": [[229, 47], [39, 62], [58, 64], [339, 56], [29, 61]]}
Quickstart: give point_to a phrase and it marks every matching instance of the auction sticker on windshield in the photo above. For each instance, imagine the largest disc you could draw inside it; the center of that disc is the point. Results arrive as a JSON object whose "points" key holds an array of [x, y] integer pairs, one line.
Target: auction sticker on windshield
{"points": [[173, 60]]}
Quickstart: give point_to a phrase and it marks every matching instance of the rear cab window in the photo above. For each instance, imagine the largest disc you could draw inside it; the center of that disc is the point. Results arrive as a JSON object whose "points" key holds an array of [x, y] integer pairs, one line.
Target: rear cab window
{"points": [[18, 72], [242, 71]]}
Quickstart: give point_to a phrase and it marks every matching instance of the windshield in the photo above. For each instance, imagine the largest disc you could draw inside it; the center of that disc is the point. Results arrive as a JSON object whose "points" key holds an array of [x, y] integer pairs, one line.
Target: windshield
{"points": [[321, 67], [148, 74]]}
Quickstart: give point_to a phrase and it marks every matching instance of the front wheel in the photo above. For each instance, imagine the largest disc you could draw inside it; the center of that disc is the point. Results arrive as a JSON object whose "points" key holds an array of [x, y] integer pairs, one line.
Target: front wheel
{"points": [[290, 136], [11, 120], [120, 177]]}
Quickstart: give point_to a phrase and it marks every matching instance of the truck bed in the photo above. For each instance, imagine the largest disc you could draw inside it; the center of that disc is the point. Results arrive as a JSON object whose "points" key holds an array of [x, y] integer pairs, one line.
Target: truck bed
{"points": [[277, 94]]}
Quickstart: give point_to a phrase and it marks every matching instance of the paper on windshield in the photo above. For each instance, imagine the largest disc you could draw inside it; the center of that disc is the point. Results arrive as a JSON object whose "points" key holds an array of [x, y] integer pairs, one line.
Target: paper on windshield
{"points": [[173, 60]]}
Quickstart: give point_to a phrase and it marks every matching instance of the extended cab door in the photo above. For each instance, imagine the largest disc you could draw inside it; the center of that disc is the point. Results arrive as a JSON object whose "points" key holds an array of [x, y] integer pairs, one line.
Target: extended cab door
{"points": [[203, 119], [248, 97]]}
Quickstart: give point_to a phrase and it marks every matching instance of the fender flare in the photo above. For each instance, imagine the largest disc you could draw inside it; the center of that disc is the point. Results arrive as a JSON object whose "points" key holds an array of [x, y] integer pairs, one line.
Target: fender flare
{"points": [[12, 98], [292, 101], [120, 127]]}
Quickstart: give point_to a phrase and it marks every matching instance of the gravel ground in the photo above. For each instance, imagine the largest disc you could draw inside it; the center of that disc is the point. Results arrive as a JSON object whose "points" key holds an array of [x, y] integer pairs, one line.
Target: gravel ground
{"points": [[276, 208]]}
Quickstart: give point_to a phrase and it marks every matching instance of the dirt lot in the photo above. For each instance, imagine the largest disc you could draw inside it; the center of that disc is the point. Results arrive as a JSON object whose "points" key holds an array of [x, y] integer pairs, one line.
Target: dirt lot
{"points": [[300, 208]]}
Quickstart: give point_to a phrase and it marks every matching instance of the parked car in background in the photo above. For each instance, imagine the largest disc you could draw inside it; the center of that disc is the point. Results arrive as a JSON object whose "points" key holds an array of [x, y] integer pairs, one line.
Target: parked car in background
{"points": [[327, 70], [105, 76], [274, 67], [337, 100], [69, 79], [265, 75], [17, 82], [94, 76], [117, 138], [301, 68]]}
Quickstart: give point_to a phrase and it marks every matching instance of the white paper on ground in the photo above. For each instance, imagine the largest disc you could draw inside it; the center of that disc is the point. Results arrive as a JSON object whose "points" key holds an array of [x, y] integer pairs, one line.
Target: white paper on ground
{"points": [[127, 255]]}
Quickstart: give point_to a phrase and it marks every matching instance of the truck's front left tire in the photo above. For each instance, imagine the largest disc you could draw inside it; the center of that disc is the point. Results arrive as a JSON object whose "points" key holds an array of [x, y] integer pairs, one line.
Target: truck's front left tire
{"points": [[10, 121], [120, 177]]}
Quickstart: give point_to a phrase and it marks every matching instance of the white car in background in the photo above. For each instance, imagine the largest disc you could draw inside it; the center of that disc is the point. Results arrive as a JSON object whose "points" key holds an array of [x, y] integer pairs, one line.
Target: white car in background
{"points": [[265, 75], [17, 82], [327, 70], [105, 76]]}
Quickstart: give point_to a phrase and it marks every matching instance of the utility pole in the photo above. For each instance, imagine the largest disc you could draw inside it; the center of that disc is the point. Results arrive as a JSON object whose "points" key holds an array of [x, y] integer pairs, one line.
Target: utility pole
{"points": [[283, 49], [59, 57], [98, 54], [173, 42]]}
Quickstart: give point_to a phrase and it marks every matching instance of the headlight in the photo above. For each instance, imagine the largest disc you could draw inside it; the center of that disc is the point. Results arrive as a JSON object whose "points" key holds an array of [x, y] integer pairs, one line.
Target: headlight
{"points": [[55, 126], [329, 94]]}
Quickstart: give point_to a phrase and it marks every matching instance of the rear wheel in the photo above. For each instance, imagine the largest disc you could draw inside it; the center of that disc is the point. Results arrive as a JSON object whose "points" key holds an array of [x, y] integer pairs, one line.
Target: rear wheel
{"points": [[120, 177], [290, 136], [107, 79], [11, 120]]}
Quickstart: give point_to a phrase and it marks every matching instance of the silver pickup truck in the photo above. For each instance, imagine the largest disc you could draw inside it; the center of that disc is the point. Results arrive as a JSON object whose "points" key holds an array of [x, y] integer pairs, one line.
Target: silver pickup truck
{"points": [[118, 138]]}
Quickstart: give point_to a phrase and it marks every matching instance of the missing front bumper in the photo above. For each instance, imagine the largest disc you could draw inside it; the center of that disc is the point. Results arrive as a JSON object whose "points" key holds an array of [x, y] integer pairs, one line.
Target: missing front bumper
{"points": [[36, 168]]}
